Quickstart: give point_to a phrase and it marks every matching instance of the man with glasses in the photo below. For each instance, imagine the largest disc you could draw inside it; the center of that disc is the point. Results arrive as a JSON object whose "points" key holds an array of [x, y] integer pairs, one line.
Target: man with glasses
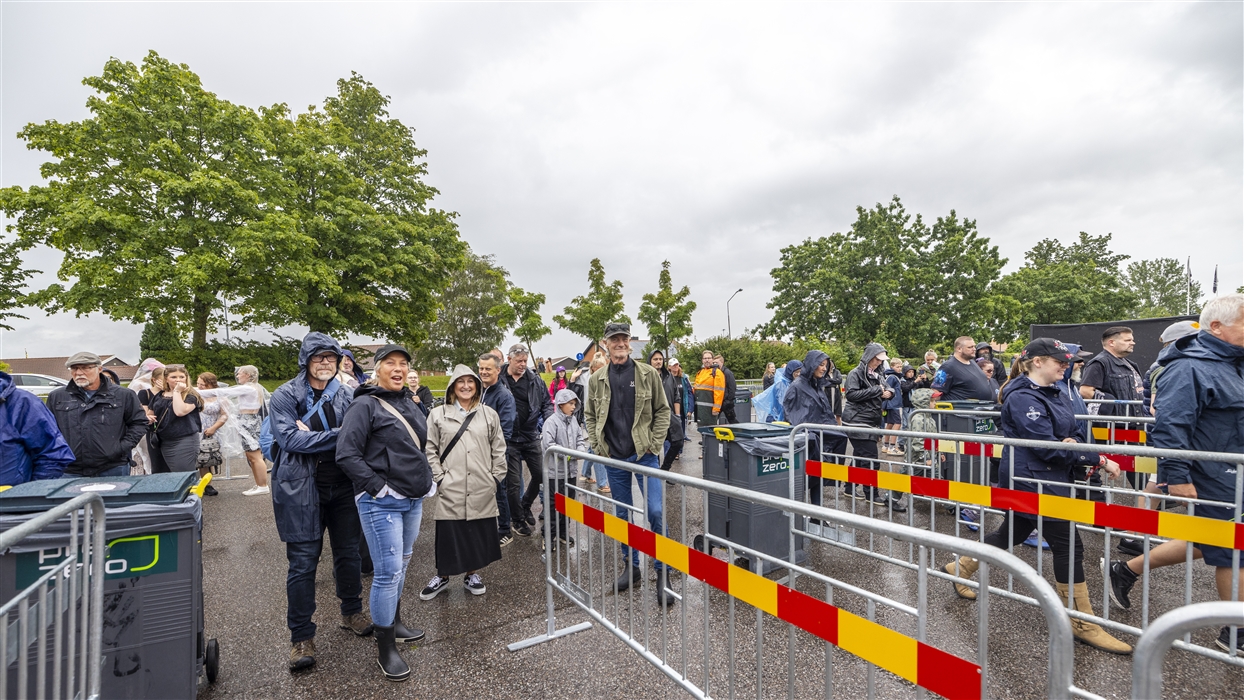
{"points": [[306, 414], [101, 421], [532, 405]]}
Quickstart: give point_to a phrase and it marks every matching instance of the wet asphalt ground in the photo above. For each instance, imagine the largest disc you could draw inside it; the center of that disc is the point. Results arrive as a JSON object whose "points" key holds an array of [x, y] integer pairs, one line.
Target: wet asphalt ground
{"points": [[464, 654]]}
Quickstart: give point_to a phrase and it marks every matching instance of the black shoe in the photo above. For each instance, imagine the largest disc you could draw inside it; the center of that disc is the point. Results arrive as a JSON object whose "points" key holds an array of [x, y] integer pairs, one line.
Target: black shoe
{"points": [[521, 529], [566, 539], [391, 663], [1121, 581], [528, 517], [664, 597], [434, 588], [1130, 546], [630, 575], [210, 490], [505, 539], [403, 634], [1224, 639], [878, 498], [897, 505]]}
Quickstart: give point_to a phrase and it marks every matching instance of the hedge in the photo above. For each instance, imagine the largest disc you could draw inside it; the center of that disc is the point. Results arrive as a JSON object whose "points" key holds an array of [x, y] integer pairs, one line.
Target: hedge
{"points": [[747, 357]]}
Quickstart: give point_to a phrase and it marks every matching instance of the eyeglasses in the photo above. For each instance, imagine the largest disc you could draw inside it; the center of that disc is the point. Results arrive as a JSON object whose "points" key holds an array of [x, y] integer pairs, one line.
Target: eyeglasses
{"points": [[325, 358]]}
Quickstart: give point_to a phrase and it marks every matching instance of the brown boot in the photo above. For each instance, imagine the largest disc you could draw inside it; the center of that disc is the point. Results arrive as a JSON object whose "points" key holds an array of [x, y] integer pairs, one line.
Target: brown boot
{"points": [[963, 567], [302, 655], [1087, 632]]}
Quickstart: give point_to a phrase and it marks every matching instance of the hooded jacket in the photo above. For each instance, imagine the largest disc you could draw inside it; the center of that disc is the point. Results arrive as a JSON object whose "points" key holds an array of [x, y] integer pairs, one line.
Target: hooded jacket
{"points": [[101, 430], [864, 391], [652, 411], [1032, 412], [833, 387], [468, 476], [999, 372], [537, 398], [894, 380], [565, 431], [805, 400], [375, 449], [295, 496], [31, 446], [1201, 408]]}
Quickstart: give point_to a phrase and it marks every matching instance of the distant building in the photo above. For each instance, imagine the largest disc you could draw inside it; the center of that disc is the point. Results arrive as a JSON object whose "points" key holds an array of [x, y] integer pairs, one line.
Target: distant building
{"points": [[55, 366]]}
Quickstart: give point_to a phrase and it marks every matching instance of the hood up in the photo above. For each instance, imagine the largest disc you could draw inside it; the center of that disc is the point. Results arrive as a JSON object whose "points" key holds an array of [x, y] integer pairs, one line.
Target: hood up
{"points": [[790, 369], [984, 347], [871, 351], [810, 362], [313, 344], [459, 372]]}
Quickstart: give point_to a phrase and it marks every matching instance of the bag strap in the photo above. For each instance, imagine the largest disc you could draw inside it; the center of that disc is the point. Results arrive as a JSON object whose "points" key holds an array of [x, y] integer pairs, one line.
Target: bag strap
{"points": [[413, 435], [457, 436]]}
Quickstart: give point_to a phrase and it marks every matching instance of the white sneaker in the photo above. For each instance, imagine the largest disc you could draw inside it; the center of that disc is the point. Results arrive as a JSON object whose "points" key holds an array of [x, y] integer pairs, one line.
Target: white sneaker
{"points": [[257, 491]]}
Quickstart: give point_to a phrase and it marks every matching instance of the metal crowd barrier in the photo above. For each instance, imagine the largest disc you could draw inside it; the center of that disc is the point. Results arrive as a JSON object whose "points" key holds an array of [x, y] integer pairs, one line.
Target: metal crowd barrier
{"points": [[66, 613], [678, 640], [1156, 641], [1093, 508]]}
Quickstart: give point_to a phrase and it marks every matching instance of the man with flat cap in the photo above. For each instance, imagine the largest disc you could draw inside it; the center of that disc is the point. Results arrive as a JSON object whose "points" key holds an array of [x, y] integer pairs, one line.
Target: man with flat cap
{"points": [[101, 421], [628, 417]]}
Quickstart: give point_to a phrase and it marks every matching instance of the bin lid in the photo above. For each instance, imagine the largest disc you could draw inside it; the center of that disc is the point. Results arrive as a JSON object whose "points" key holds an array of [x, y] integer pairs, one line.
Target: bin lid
{"points": [[156, 489], [749, 429], [969, 405]]}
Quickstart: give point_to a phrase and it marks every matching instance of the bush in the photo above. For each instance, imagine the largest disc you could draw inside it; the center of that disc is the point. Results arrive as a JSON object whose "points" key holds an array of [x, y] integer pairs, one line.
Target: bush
{"points": [[747, 357]]}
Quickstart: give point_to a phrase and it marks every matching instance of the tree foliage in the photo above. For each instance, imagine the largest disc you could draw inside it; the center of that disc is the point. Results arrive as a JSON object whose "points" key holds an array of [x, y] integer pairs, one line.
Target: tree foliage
{"points": [[473, 317], [588, 314], [531, 326], [666, 313], [1077, 283], [747, 357], [892, 276], [159, 335], [12, 282], [1161, 288]]}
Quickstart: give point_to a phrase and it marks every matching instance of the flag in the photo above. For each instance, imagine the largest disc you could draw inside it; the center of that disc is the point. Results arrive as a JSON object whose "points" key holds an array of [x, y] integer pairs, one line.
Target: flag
{"points": [[1215, 279]]}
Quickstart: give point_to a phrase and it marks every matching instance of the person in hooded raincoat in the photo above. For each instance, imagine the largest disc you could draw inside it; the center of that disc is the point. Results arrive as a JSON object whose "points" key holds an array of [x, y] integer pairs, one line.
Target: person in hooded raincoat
{"points": [[806, 402], [768, 403]]}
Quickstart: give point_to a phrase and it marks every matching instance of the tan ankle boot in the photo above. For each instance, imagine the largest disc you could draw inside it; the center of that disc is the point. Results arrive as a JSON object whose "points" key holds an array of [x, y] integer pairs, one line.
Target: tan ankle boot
{"points": [[1087, 632], [963, 567]]}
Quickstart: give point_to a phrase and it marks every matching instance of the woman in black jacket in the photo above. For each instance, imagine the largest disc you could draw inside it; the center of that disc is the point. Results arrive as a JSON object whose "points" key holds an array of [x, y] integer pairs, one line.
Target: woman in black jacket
{"points": [[380, 447], [866, 390]]}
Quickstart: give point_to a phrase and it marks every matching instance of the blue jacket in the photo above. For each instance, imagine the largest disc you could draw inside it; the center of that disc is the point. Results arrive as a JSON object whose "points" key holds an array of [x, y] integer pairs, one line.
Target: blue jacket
{"points": [[1200, 406], [1031, 412], [894, 380], [295, 496], [31, 446], [498, 398], [805, 400]]}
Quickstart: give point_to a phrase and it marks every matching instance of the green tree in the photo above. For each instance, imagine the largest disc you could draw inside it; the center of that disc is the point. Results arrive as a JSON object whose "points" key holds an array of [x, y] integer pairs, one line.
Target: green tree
{"points": [[12, 282], [1077, 283], [892, 275], [352, 179], [155, 201], [474, 315], [526, 306], [666, 313], [1161, 288], [587, 315], [159, 336]]}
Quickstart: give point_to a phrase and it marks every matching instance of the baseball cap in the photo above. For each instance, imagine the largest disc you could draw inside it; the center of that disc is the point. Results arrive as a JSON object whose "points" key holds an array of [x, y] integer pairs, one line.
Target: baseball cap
{"points": [[83, 358], [1048, 347], [612, 329], [1178, 330], [675, 362], [389, 350]]}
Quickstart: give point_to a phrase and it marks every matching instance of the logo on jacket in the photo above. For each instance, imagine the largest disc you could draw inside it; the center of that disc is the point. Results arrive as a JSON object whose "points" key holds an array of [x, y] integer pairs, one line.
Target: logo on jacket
{"points": [[1033, 413]]}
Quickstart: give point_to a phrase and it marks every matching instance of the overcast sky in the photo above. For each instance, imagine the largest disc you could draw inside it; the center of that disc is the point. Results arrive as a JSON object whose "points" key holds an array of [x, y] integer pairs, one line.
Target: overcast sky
{"points": [[709, 134]]}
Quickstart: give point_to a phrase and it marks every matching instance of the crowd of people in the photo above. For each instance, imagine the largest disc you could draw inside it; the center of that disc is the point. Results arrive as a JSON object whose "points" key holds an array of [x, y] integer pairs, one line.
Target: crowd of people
{"points": [[353, 457]]}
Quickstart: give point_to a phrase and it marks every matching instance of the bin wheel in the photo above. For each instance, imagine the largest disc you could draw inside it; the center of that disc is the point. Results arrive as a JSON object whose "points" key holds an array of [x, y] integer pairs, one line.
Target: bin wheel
{"points": [[211, 660], [699, 545]]}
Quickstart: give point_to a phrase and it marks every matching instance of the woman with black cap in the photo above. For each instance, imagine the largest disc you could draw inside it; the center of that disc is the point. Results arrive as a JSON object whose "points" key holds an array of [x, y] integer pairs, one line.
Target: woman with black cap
{"points": [[1033, 408], [381, 448]]}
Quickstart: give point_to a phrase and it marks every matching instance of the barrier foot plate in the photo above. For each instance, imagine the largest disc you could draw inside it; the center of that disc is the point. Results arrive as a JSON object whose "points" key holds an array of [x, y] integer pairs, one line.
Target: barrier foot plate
{"points": [[542, 638]]}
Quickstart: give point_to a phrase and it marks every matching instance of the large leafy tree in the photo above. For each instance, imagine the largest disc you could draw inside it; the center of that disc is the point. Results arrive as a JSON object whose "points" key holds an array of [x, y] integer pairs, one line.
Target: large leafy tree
{"points": [[666, 313], [156, 202], [352, 179], [1162, 288], [474, 315], [892, 276], [531, 326], [1077, 283], [587, 314], [12, 282]]}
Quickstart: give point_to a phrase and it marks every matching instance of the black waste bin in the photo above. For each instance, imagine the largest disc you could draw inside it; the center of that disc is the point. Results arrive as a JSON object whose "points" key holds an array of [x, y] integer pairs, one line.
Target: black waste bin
{"points": [[153, 641], [743, 404], [967, 468], [752, 456]]}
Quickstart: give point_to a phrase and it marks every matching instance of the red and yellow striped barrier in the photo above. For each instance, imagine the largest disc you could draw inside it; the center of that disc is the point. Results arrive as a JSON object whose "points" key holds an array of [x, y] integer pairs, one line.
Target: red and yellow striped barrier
{"points": [[1119, 436], [1176, 526], [1101, 434], [910, 659], [971, 449]]}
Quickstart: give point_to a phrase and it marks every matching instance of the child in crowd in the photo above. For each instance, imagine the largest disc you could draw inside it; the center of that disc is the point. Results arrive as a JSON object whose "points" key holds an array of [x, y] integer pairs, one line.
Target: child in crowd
{"points": [[563, 430]]}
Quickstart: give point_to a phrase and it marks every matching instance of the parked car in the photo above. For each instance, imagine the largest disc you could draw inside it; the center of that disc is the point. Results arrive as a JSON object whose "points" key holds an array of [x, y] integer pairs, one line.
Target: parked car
{"points": [[38, 384]]}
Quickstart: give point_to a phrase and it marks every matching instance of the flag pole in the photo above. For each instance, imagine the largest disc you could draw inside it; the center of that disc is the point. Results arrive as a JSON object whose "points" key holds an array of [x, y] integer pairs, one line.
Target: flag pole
{"points": [[1188, 287]]}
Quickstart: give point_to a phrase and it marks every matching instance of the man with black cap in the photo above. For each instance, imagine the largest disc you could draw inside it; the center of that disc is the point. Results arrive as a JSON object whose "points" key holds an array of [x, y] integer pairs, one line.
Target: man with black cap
{"points": [[532, 404], [311, 494], [622, 427], [101, 421]]}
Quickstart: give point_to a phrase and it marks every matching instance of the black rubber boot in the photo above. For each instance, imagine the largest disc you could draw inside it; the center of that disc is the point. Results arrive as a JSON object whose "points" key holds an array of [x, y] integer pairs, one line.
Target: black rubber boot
{"points": [[630, 575], [403, 634], [664, 597], [392, 665]]}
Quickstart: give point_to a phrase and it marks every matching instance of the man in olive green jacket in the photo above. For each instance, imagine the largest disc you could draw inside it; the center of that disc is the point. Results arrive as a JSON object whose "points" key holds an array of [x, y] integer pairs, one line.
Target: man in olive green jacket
{"points": [[627, 419]]}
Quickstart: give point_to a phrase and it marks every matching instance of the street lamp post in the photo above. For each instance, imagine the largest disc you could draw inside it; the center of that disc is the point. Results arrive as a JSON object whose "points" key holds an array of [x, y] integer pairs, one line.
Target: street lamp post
{"points": [[729, 331]]}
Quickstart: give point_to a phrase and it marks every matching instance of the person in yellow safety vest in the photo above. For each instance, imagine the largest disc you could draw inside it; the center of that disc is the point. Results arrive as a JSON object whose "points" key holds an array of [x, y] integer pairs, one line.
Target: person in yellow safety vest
{"points": [[710, 390]]}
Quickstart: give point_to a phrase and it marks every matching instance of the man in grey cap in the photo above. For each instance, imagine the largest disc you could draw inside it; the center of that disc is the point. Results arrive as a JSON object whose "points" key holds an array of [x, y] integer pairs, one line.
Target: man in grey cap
{"points": [[101, 421]]}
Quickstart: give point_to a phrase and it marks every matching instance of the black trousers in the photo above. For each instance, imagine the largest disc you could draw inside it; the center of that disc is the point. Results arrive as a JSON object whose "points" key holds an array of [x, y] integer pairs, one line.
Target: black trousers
{"points": [[671, 453], [1057, 532], [515, 455]]}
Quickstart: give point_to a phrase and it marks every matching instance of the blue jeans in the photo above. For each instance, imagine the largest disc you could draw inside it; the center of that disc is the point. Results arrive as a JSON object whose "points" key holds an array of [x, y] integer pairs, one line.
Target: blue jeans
{"points": [[340, 518], [620, 481], [391, 526], [596, 470]]}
